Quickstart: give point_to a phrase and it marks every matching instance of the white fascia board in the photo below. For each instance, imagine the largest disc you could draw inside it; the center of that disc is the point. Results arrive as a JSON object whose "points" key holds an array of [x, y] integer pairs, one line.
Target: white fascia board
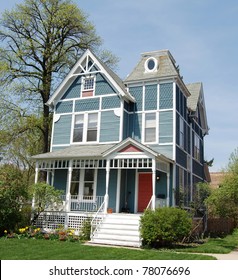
{"points": [[67, 80]]}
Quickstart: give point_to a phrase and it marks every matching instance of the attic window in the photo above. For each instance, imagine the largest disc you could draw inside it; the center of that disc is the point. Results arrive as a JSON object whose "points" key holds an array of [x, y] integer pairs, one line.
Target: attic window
{"points": [[151, 64], [88, 86]]}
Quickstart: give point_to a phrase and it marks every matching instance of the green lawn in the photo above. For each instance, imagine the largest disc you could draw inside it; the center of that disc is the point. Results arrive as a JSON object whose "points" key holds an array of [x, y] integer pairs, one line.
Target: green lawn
{"points": [[37, 249], [40, 249], [216, 245]]}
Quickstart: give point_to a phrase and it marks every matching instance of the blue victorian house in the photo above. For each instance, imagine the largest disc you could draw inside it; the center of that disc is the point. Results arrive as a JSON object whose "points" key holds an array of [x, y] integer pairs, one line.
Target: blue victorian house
{"points": [[123, 146]]}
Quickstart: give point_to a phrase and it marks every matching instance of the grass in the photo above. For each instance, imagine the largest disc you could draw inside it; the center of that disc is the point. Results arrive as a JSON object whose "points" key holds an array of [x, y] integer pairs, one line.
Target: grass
{"points": [[38, 249], [215, 245]]}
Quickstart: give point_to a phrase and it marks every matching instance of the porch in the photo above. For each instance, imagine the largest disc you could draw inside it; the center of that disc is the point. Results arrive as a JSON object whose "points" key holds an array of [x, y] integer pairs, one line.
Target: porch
{"points": [[89, 204]]}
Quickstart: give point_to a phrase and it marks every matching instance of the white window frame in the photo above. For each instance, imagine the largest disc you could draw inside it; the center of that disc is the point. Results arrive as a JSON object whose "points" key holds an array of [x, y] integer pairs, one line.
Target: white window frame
{"points": [[88, 89], [85, 127], [181, 132], [81, 183], [155, 127], [196, 147]]}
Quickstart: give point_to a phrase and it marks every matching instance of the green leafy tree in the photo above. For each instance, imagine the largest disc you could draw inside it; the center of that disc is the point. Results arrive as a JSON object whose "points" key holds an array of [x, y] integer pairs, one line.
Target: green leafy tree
{"points": [[13, 197], [41, 40], [44, 195], [223, 201]]}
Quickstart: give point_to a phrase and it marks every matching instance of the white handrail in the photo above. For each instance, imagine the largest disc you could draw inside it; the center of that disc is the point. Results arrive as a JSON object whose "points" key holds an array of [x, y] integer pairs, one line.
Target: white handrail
{"points": [[149, 206], [95, 223]]}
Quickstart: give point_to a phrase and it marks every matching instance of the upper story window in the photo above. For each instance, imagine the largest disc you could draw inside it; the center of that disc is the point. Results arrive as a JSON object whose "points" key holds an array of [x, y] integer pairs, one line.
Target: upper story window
{"points": [[88, 86], [151, 64], [196, 147], [181, 133], [85, 127], [150, 127]]}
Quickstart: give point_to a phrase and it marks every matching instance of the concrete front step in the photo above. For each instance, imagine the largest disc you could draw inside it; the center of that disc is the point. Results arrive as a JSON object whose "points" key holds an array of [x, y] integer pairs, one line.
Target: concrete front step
{"points": [[116, 243], [120, 230]]}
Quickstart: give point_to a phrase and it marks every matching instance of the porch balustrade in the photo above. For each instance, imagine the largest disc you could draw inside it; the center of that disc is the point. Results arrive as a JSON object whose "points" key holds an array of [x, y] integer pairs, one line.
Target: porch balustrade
{"points": [[84, 203]]}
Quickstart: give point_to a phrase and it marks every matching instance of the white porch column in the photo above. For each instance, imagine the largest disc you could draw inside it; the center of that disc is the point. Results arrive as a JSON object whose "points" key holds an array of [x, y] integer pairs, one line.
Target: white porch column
{"points": [[168, 183], [36, 181], [106, 197], [68, 196], [153, 183]]}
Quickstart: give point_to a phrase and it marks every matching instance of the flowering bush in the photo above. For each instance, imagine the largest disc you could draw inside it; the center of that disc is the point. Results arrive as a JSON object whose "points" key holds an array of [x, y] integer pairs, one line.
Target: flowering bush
{"points": [[36, 233]]}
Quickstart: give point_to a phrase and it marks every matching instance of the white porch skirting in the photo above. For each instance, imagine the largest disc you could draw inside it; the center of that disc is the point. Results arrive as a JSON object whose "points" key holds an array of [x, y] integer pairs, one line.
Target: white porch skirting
{"points": [[52, 220]]}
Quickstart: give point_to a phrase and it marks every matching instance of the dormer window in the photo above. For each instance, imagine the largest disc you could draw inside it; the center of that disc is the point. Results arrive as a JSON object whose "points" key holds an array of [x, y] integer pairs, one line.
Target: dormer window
{"points": [[88, 86], [151, 64]]}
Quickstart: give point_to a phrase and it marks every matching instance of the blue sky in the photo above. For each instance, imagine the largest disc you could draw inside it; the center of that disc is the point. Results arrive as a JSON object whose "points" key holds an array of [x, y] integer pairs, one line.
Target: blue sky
{"points": [[202, 35]]}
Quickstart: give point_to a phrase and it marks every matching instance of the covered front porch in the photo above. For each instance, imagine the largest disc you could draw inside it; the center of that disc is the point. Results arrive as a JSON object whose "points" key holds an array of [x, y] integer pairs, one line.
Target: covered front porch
{"points": [[126, 177]]}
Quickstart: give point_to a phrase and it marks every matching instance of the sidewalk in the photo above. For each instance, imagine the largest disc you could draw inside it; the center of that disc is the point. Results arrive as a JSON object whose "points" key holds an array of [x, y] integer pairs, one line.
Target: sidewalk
{"points": [[233, 255]]}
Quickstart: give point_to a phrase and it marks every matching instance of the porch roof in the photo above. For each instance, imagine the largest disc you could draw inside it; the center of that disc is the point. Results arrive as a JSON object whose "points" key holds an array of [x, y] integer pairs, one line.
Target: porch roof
{"points": [[76, 151]]}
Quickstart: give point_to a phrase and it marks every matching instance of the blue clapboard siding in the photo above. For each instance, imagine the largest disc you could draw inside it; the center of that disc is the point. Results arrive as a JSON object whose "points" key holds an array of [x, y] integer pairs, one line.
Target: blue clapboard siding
{"points": [[166, 127], [62, 130], [101, 182], [74, 90], [151, 97], [103, 86], [110, 127], [166, 96]]}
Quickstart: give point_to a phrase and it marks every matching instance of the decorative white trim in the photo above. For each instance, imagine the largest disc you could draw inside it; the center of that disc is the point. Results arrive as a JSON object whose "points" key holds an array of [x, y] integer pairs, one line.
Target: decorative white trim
{"points": [[146, 65]]}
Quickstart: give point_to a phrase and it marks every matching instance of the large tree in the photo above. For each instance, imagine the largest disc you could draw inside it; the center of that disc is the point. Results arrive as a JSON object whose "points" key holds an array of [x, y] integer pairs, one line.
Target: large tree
{"points": [[40, 41]]}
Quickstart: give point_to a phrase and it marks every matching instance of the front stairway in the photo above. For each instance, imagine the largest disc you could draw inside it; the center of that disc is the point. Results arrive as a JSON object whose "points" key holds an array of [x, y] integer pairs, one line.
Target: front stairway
{"points": [[118, 229]]}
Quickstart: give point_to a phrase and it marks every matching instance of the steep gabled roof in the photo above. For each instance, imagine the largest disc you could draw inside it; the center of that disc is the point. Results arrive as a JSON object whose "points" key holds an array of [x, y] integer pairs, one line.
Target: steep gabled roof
{"points": [[196, 103], [83, 68]]}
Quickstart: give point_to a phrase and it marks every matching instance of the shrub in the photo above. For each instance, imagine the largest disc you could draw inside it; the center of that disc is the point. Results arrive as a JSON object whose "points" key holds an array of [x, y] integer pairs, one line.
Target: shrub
{"points": [[164, 226], [86, 229]]}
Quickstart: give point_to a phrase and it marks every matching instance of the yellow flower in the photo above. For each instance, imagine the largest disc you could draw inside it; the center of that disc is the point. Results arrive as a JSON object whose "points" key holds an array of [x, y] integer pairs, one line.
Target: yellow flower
{"points": [[5, 231]]}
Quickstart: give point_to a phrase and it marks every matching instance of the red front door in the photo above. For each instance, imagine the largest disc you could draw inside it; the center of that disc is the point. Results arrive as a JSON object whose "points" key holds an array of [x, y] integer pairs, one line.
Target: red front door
{"points": [[144, 190]]}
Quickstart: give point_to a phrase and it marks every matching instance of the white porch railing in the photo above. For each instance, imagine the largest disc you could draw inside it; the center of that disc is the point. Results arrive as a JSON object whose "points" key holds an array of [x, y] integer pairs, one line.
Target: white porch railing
{"points": [[83, 203], [159, 202]]}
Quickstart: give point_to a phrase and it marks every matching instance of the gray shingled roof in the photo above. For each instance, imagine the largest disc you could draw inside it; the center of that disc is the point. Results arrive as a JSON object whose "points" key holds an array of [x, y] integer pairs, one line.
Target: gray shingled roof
{"points": [[77, 151], [166, 67], [194, 90]]}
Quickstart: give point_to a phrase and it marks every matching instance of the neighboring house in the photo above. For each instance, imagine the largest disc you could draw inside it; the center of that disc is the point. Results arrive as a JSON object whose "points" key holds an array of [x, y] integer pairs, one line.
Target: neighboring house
{"points": [[125, 145], [217, 179]]}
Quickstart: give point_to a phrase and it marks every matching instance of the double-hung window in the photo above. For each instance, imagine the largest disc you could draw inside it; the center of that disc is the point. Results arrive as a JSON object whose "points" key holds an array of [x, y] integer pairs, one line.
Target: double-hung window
{"points": [[196, 147], [85, 127], [150, 127], [181, 133]]}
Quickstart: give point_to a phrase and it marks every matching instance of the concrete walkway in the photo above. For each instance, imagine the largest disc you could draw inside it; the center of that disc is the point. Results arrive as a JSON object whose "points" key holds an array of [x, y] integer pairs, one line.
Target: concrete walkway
{"points": [[233, 255]]}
